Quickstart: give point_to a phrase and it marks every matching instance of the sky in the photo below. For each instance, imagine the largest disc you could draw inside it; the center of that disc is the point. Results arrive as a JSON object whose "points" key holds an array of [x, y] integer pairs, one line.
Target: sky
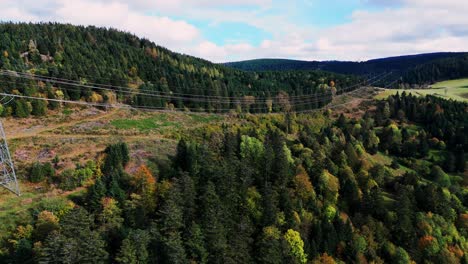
{"points": [[233, 30]]}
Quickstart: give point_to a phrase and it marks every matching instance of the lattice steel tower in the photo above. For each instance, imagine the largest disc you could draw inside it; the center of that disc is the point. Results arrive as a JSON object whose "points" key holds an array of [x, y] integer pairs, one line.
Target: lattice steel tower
{"points": [[7, 170]]}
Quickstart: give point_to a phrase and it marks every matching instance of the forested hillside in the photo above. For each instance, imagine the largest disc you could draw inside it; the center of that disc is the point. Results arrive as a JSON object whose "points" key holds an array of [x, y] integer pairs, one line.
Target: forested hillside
{"points": [[144, 74], [388, 187], [415, 69], [381, 182], [439, 70]]}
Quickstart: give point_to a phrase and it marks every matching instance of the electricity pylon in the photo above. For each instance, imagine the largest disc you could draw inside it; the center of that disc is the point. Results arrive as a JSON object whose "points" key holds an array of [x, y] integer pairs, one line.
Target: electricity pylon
{"points": [[7, 170]]}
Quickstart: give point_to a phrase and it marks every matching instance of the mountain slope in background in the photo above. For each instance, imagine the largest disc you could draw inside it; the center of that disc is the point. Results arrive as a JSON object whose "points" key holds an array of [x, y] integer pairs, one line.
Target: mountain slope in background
{"points": [[407, 66], [108, 56]]}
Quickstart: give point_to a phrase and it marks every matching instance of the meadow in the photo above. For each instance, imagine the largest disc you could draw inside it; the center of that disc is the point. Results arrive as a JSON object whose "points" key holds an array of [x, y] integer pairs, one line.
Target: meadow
{"points": [[454, 89]]}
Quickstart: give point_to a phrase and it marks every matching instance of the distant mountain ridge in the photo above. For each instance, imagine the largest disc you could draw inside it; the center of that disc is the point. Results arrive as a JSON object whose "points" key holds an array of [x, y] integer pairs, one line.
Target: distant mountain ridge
{"points": [[400, 65]]}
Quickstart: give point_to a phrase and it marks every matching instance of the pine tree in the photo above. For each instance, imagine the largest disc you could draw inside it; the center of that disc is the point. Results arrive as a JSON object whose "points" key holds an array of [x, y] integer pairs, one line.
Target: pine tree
{"points": [[386, 111], [170, 223], [240, 238], [39, 107], [269, 246], [181, 159], [423, 145], [55, 249], [213, 229], [404, 229], [134, 248], [450, 162], [460, 160], [24, 252], [270, 207], [194, 244], [96, 192], [353, 158], [114, 189], [281, 163], [75, 242], [349, 190], [20, 108], [110, 216]]}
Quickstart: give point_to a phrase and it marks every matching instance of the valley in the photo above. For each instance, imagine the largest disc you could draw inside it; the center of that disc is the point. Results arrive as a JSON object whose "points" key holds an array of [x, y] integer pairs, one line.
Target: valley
{"points": [[127, 152]]}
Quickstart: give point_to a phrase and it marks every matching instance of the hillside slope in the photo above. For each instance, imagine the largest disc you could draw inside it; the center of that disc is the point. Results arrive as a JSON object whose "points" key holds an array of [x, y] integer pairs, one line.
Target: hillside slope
{"points": [[108, 56], [388, 186]]}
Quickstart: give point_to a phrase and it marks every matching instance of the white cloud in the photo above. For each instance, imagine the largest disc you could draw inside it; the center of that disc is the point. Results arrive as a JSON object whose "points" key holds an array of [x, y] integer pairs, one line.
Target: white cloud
{"points": [[207, 49], [165, 5], [410, 26], [383, 2], [417, 26], [175, 34]]}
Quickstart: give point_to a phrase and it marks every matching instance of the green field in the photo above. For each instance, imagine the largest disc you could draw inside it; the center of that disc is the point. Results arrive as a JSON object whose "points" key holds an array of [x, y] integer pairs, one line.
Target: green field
{"points": [[143, 124], [158, 121], [453, 89]]}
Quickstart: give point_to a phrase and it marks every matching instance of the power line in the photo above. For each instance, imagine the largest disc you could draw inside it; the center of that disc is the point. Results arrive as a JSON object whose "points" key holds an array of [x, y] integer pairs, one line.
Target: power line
{"points": [[148, 107], [313, 98], [142, 91], [110, 79], [239, 100], [334, 106], [124, 106], [102, 86], [107, 105], [158, 94]]}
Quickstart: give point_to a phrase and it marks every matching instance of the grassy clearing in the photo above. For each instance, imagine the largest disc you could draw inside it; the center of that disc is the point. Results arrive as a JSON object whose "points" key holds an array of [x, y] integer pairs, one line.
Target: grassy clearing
{"points": [[140, 124], [436, 155], [384, 159], [413, 129], [77, 136], [456, 179], [380, 158], [67, 112], [388, 199], [402, 170], [459, 83], [453, 89], [145, 124], [163, 123], [205, 118]]}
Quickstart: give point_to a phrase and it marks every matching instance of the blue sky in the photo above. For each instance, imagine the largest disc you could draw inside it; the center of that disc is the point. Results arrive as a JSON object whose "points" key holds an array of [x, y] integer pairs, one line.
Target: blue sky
{"points": [[227, 30], [231, 32], [320, 14], [307, 13]]}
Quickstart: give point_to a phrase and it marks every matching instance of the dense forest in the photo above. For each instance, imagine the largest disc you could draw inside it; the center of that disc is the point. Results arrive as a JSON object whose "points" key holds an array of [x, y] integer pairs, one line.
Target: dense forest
{"points": [[61, 61], [399, 63], [387, 187], [413, 69]]}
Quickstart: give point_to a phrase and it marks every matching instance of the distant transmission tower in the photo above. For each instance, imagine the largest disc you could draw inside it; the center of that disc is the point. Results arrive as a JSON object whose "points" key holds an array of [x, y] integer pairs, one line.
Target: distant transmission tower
{"points": [[7, 170]]}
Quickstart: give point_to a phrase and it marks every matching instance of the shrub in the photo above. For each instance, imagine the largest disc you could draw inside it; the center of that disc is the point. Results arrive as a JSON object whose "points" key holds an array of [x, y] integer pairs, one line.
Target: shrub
{"points": [[39, 172]]}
